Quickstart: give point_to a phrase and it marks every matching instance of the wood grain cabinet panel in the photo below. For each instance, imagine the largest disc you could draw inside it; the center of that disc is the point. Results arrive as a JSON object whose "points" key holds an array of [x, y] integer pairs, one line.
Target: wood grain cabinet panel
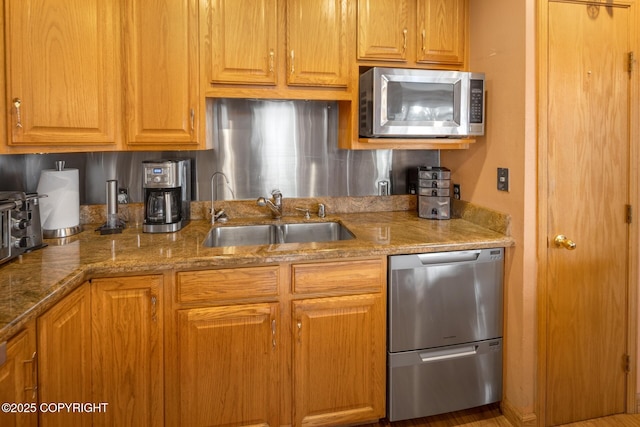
{"points": [[339, 277], [63, 65], [64, 357], [383, 29], [339, 360], [18, 378], [420, 33], [441, 31], [161, 67], [245, 41], [127, 350], [227, 284], [317, 43], [229, 365]]}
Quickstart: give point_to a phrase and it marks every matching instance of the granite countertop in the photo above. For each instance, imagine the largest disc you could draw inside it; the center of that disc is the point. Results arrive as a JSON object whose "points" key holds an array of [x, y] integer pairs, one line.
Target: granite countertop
{"points": [[35, 281]]}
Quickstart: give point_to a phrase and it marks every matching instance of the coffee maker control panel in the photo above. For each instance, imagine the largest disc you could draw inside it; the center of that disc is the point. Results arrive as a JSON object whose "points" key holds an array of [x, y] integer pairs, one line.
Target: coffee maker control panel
{"points": [[165, 175]]}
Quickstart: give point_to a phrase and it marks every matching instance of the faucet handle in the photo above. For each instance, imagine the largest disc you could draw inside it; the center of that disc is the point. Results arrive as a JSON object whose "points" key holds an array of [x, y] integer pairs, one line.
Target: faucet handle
{"points": [[306, 212], [322, 211]]}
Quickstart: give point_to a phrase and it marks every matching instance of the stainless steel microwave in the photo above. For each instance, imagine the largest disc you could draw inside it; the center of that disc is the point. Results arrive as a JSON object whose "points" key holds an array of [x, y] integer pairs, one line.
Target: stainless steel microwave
{"points": [[407, 103]]}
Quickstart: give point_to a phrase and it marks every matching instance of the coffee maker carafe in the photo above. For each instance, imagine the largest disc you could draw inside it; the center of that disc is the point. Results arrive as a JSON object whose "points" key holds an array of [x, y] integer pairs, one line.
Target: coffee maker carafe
{"points": [[167, 195]]}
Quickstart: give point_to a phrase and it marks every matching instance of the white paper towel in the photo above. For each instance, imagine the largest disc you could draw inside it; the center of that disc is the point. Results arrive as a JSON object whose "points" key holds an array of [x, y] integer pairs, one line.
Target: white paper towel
{"points": [[61, 208]]}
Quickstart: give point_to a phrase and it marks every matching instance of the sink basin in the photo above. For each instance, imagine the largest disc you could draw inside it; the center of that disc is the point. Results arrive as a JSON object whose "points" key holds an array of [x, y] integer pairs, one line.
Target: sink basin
{"points": [[315, 232], [240, 235], [245, 235]]}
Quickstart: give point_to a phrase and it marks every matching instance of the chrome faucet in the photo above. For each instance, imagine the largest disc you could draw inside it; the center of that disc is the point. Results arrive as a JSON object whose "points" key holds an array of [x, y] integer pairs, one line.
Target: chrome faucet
{"points": [[275, 206], [220, 215]]}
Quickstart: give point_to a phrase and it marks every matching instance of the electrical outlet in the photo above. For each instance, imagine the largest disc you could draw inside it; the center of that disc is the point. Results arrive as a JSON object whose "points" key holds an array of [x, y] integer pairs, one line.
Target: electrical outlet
{"points": [[503, 179], [123, 195], [456, 191], [383, 188]]}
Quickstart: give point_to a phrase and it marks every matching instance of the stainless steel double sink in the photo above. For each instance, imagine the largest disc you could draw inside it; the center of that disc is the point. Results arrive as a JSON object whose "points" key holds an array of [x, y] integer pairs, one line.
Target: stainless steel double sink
{"points": [[267, 234]]}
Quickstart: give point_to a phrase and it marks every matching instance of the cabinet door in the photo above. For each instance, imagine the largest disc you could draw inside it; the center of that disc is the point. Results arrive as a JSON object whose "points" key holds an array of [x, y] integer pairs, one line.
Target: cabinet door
{"points": [[317, 38], [229, 365], [383, 28], [244, 41], [339, 360], [441, 31], [18, 379], [64, 357], [161, 62], [127, 348], [62, 72]]}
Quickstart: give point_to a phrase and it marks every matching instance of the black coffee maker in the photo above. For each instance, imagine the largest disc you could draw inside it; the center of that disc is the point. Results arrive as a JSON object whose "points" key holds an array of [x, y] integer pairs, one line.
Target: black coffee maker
{"points": [[167, 195]]}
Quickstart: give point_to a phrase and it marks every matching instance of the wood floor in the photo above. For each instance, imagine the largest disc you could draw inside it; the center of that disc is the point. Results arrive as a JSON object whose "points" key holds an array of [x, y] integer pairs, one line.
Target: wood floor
{"points": [[490, 416]]}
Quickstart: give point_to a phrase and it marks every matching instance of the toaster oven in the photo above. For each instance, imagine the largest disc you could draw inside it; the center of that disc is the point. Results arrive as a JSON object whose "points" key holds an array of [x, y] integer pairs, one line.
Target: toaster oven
{"points": [[20, 228]]}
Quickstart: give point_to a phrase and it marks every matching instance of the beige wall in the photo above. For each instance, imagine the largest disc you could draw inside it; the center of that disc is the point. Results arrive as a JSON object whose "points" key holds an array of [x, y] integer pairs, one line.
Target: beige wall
{"points": [[502, 44]]}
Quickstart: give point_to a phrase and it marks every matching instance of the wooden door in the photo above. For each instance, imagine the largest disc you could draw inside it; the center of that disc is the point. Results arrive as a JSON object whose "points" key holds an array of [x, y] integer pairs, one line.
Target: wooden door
{"points": [[127, 349], [339, 360], [383, 29], [64, 358], [245, 41], [63, 71], [18, 379], [317, 43], [229, 365], [441, 31], [587, 182], [161, 62]]}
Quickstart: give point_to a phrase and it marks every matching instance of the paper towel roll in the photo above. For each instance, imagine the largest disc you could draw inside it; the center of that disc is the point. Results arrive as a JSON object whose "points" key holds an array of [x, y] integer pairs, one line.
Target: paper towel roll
{"points": [[61, 208]]}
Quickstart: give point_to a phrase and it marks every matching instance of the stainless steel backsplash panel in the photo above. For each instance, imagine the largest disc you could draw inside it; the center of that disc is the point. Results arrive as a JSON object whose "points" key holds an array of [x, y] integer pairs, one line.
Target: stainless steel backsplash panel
{"points": [[259, 144]]}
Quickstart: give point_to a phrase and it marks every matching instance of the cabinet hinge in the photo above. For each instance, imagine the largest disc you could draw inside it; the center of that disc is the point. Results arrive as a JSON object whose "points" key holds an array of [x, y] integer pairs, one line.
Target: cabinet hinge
{"points": [[627, 363], [629, 214]]}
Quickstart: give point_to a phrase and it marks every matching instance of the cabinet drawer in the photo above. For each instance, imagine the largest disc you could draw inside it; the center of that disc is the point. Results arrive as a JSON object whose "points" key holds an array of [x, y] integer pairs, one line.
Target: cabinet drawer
{"points": [[227, 284], [339, 277]]}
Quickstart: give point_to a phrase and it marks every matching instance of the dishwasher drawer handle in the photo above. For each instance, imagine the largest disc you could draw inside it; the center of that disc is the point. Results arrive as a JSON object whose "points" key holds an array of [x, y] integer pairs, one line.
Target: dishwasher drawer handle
{"points": [[445, 257], [436, 356]]}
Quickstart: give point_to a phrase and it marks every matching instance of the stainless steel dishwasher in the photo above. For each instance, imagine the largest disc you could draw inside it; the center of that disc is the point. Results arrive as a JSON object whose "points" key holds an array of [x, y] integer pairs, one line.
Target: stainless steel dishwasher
{"points": [[445, 332]]}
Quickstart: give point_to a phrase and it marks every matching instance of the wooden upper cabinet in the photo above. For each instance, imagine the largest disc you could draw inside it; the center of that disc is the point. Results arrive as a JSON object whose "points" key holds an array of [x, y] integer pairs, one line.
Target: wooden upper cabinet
{"points": [[245, 41], [161, 65], [62, 62], [317, 43], [441, 31], [420, 33], [383, 29]]}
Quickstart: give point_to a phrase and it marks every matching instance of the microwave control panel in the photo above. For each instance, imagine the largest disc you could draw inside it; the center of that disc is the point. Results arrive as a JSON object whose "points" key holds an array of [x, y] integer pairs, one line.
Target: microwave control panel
{"points": [[476, 107]]}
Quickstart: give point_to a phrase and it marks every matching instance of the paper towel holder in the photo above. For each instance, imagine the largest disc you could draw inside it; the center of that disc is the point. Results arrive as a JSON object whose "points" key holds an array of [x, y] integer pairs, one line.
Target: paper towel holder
{"points": [[62, 231]]}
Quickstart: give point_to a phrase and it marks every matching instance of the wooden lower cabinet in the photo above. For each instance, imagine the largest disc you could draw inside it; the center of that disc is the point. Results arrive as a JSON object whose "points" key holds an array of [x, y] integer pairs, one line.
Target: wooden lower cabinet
{"points": [[229, 365], [18, 379], [338, 370], [127, 350], [299, 344], [103, 344], [64, 358]]}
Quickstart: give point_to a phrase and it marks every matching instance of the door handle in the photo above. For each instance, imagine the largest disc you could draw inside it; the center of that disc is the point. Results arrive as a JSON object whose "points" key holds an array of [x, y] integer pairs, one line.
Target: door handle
{"points": [[562, 241]]}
